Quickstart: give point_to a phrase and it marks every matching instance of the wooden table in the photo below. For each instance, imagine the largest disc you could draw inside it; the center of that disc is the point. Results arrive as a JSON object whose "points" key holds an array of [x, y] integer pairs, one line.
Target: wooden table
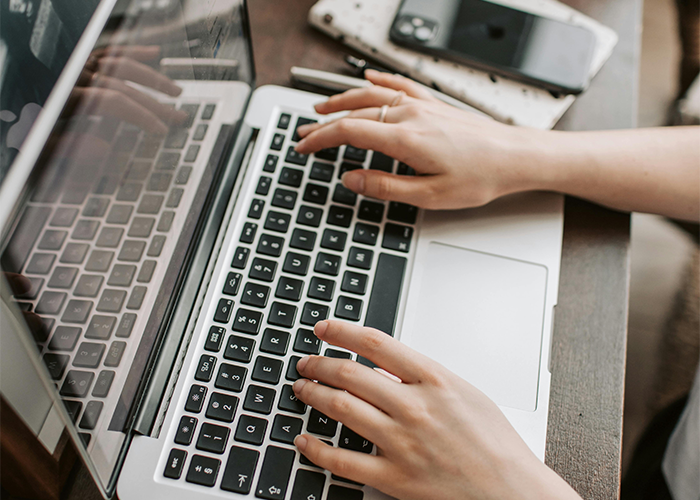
{"points": [[584, 435]]}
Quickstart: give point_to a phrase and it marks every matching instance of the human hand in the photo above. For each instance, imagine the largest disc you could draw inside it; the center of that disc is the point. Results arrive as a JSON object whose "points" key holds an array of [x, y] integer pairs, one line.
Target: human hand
{"points": [[463, 159], [437, 436]]}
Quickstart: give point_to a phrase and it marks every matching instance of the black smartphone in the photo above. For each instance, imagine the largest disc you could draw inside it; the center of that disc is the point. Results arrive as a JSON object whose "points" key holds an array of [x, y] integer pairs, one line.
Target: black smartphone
{"points": [[499, 39]]}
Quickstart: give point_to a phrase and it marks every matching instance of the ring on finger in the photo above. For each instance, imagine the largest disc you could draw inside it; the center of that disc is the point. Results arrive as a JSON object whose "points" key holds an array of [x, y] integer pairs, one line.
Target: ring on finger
{"points": [[382, 113], [397, 99]]}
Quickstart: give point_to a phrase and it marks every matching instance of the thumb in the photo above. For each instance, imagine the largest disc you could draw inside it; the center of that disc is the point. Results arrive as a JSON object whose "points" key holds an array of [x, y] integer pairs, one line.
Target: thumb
{"points": [[414, 190]]}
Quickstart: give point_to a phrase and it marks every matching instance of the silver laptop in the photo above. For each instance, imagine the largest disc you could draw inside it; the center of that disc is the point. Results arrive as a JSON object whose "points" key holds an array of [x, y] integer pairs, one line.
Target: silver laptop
{"points": [[170, 281]]}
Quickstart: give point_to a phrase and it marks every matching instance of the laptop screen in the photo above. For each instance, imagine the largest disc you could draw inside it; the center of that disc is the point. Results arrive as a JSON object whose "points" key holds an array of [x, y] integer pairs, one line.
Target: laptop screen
{"points": [[116, 122]]}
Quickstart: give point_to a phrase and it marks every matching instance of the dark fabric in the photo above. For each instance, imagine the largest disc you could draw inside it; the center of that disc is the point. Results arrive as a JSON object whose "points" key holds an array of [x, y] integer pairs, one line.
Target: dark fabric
{"points": [[644, 479]]}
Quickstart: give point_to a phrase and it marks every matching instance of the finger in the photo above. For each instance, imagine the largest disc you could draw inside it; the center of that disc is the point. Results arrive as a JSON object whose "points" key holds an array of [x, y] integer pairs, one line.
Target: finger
{"points": [[393, 115], [414, 190], [137, 52], [359, 467], [382, 349], [365, 134], [370, 97], [398, 82], [344, 407], [128, 69], [18, 284], [357, 379]]}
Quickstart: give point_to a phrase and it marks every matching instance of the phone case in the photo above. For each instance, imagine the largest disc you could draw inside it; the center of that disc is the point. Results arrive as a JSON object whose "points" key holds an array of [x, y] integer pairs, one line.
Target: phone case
{"points": [[364, 25]]}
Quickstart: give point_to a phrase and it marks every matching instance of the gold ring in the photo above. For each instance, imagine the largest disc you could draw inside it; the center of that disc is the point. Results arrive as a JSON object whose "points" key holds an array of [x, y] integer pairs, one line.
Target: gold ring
{"points": [[397, 99], [382, 113]]}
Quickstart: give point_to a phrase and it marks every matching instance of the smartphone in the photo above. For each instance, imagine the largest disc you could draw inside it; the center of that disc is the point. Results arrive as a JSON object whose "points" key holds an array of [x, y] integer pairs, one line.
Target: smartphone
{"points": [[499, 39]]}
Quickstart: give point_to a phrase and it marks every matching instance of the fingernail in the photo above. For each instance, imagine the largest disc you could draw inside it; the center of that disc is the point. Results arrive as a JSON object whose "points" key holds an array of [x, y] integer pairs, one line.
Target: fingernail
{"points": [[300, 145], [371, 72], [301, 442], [320, 328], [299, 384], [354, 182]]}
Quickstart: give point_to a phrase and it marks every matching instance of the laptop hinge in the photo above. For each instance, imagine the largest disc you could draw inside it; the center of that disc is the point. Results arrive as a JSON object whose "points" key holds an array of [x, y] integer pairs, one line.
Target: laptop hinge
{"points": [[177, 339]]}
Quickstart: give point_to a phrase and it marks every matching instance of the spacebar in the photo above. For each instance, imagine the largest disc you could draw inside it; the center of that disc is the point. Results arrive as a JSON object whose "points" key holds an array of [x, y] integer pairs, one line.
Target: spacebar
{"points": [[386, 292]]}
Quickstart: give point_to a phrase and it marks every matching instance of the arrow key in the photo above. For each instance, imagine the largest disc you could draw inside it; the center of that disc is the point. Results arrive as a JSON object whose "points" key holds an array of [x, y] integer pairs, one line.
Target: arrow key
{"points": [[308, 485], [285, 429]]}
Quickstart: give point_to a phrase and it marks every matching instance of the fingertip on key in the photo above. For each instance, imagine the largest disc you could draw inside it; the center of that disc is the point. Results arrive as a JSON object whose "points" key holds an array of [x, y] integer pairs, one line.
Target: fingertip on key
{"points": [[320, 328], [301, 441]]}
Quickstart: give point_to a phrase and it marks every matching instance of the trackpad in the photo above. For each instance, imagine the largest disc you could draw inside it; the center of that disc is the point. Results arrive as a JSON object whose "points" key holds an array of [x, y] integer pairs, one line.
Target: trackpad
{"points": [[481, 316]]}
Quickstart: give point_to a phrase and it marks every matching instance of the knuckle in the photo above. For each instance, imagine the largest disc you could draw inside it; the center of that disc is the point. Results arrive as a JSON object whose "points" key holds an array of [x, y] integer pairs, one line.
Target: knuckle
{"points": [[339, 466], [339, 403], [383, 186], [347, 371]]}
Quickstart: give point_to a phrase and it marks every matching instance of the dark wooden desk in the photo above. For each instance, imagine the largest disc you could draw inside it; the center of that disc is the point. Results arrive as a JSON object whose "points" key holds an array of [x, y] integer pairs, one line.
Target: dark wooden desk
{"points": [[584, 435]]}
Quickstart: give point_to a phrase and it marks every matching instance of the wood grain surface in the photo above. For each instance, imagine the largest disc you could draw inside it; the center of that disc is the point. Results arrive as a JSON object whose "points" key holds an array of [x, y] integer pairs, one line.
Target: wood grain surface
{"points": [[588, 361]]}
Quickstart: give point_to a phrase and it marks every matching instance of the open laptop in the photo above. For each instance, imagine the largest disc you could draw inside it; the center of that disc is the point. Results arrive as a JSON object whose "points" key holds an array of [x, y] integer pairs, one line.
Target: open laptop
{"points": [[171, 282]]}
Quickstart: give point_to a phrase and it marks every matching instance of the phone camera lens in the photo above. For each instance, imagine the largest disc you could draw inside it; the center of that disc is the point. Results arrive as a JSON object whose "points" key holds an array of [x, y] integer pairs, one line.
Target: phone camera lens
{"points": [[406, 28], [423, 34]]}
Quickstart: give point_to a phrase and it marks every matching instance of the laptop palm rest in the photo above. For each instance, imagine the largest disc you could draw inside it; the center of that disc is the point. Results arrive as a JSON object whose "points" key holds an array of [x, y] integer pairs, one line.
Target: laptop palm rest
{"points": [[481, 316]]}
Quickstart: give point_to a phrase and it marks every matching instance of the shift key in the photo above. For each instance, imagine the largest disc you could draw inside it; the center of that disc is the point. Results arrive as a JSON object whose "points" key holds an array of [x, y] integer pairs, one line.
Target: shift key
{"points": [[274, 476]]}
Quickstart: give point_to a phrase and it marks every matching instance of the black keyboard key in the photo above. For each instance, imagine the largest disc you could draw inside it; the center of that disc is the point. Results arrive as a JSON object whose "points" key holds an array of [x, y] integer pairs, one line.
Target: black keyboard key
{"points": [[230, 377], [335, 353], [295, 263], [288, 400], [41, 263], [256, 209], [336, 492], [121, 275], [282, 314], [223, 311], [321, 171], [88, 285], [222, 407], [321, 424], [115, 353], [344, 196], [50, 303], [91, 415], [292, 373], [386, 291], [203, 470], [205, 368], [185, 430], [159, 182], [303, 239], [334, 240], [248, 233], [232, 284], [208, 111], [404, 169], [355, 154], [132, 251], [274, 341], [348, 167], [53, 240], [126, 325], [191, 110], [250, 430], [397, 237], [321, 289], [327, 264], [64, 338], [95, 207], [73, 408], [192, 153], [240, 468], [313, 313], [176, 139], [315, 193], [150, 204], [103, 384], [402, 212], [195, 398], [284, 198], [248, 321], [253, 295], [259, 399], [285, 119], [212, 438], [130, 191], [339, 216], [360, 258], [309, 216], [56, 364], [74, 253], [285, 428], [239, 349], [120, 214], [263, 185], [348, 308], [64, 217], [110, 237], [263, 269], [277, 221], [371, 211], [381, 162], [277, 141], [270, 163], [76, 384], [351, 440], [99, 261], [200, 132], [240, 257], [365, 233], [296, 158], [291, 177], [175, 464], [77, 311], [301, 121], [267, 370], [354, 283], [330, 154], [63, 277], [89, 355], [23, 238], [308, 485], [270, 245], [289, 288], [275, 473], [306, 342]]}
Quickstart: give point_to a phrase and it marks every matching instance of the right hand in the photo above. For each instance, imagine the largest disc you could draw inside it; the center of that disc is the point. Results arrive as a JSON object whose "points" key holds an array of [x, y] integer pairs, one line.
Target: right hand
{"points": [[463, 160]]}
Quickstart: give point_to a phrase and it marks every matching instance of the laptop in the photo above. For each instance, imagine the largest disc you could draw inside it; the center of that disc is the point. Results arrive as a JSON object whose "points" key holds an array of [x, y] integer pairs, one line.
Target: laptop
{"points": [[167, 279]]}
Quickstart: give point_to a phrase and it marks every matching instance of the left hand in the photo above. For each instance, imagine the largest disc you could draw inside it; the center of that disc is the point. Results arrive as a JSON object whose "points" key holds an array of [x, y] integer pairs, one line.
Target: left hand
{"points": [[437, 436]]}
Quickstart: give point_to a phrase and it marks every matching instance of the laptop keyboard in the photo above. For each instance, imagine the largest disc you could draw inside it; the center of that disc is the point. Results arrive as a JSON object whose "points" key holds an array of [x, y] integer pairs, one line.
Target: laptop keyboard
{"points": [[308, 249], [91, 251]]}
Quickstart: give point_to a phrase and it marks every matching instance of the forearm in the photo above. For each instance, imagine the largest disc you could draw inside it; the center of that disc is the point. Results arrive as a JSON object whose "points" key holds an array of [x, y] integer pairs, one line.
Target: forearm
{"points": [[645, 170]]}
